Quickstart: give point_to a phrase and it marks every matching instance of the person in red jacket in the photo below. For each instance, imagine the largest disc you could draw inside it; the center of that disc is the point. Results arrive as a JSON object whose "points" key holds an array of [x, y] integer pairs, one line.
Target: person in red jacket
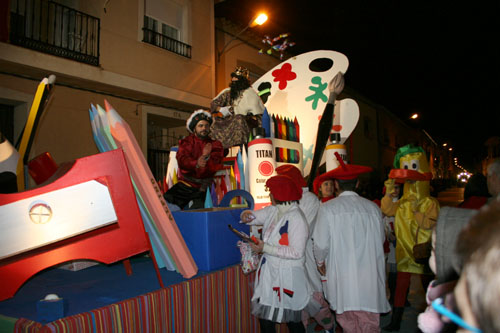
{"points": [[199, 157]]}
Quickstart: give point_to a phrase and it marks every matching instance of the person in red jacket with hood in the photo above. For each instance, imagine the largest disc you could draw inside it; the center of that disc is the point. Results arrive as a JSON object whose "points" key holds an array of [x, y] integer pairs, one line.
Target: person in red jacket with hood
{"points": [[199, 157]]}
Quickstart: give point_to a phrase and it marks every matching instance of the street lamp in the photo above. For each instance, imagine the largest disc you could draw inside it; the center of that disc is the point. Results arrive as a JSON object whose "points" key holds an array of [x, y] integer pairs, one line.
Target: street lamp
{"points": [[414, 116], [259, 19]]}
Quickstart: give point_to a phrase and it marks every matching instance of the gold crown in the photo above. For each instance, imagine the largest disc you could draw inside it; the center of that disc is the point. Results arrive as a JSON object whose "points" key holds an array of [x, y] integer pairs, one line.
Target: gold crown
{"points": [[241, 71]]}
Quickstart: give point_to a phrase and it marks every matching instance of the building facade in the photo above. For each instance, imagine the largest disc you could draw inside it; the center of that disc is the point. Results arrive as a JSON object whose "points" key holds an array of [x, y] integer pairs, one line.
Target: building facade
{"points": [[155, 61]]}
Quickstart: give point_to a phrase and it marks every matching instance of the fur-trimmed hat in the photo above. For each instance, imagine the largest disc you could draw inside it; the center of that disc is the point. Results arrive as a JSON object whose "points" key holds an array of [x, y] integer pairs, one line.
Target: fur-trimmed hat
{"points": [[283, 188], [196, 117], [241, 71]]}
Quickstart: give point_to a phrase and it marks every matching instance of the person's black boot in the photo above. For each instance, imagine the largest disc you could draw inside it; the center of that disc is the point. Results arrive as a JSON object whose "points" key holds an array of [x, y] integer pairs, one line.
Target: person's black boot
{"points": [[395, 324]]}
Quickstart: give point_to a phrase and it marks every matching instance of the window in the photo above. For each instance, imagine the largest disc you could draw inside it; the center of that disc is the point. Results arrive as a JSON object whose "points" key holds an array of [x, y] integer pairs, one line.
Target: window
{"points": [[157, 29], [165, 26], [50, 27]]}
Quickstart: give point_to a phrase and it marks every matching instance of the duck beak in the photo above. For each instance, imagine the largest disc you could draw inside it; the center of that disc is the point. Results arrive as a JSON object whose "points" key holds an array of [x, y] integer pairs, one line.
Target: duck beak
{"points": [[405, 174]]}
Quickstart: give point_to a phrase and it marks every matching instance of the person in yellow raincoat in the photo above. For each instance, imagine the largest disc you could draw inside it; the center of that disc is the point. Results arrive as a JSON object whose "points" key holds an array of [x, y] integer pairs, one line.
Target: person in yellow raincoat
{"points": [[415, 214]]}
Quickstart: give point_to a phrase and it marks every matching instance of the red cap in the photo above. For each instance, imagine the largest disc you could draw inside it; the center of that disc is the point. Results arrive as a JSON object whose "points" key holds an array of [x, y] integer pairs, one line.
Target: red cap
{"points": [[283, 188], [292, 172], [317, 183], [344, 171]]}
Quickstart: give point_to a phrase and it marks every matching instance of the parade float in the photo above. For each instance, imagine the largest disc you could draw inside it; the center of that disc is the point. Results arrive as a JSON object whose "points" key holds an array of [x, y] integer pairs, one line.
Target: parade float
{"points": [[190, 278]]}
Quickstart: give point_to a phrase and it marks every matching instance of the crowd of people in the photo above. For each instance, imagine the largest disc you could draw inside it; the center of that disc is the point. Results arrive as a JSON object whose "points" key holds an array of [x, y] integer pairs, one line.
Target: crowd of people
{"points": [[336, 259]]}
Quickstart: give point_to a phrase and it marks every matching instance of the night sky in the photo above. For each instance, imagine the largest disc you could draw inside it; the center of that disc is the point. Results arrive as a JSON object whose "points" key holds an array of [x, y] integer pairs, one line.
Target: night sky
{"points": [[440, 59]]}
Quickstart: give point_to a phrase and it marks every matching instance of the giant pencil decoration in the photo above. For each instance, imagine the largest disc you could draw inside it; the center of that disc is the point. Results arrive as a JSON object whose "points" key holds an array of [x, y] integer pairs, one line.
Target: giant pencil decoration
{"points": [[39, 102], [335, 87], [151, 193], [105, 142]]}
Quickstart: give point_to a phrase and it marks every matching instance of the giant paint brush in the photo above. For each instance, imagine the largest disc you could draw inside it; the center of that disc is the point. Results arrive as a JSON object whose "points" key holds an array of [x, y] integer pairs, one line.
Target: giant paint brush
{"points": [[335, 87]]}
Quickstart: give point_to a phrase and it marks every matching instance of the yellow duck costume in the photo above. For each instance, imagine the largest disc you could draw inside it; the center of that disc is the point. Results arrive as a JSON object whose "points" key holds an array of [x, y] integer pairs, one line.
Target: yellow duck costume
{"points": [[415, 209]]}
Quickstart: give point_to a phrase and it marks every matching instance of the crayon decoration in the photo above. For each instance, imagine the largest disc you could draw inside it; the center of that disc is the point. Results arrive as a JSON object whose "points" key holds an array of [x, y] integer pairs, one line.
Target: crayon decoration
{"points": [[297, 130], [241, 169], [218, 189], [279, 130], [232, 179], [290, 127], [283, 129], [282, 155], [244, 159], [266, 123], [213, 194], [272, 127], [223, 186], [208, 199], [237, 178], [234, 186], [227, 181]]}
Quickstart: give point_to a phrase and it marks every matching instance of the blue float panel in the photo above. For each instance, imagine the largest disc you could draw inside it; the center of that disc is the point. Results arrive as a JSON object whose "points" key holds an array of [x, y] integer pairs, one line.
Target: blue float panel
{"points": [[205, 231]]}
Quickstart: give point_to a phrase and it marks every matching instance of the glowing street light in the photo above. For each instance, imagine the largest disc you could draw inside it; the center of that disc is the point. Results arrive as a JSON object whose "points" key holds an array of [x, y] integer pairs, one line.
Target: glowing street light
{"points": [[260, 19], [414, 116]]}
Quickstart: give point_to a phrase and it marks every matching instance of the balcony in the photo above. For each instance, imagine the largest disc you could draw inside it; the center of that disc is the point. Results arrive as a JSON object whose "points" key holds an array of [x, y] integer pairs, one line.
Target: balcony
{"points": [[55, 29], [170, 43]]}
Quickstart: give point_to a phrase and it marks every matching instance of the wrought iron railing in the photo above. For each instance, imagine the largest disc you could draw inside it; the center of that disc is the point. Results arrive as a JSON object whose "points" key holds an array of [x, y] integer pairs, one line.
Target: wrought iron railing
{"points": [[52, 28], [158, 161], [167, 43]]}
